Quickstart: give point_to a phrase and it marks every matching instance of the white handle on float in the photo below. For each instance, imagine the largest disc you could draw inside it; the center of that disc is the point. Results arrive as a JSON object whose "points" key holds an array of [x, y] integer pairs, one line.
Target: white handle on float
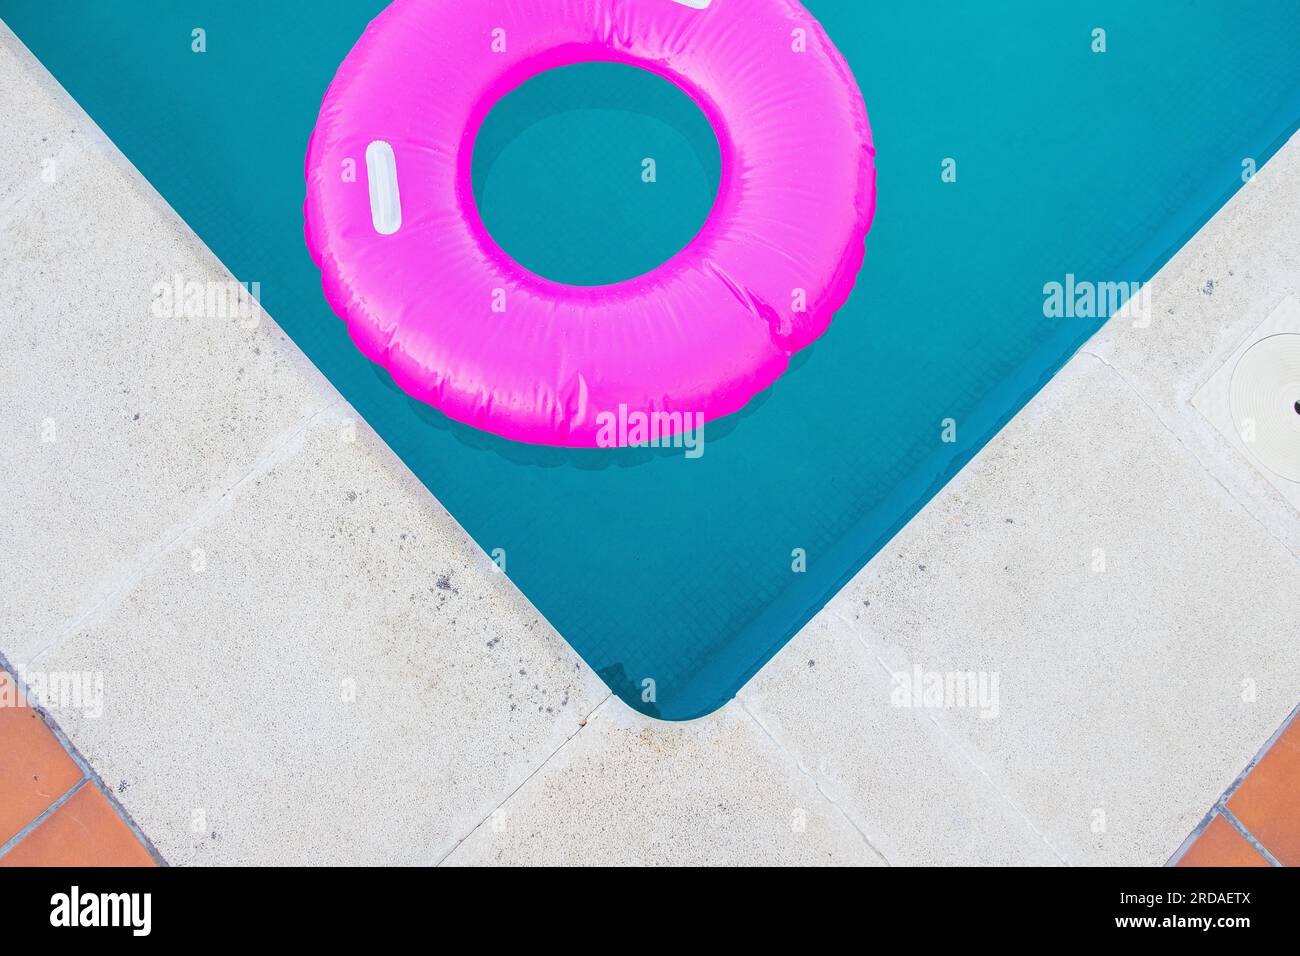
{"points": [[385, 203]]}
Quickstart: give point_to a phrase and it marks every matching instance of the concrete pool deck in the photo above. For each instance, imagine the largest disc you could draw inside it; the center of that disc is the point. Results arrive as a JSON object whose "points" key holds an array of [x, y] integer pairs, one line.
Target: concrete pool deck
{"points": [[304, 659]]}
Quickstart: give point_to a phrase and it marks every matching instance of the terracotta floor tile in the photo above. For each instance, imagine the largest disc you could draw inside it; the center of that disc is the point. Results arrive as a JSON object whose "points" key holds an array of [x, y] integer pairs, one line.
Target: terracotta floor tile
{"points": [[1221, 845], [1268, 803], [85, 831], [35, 770]]}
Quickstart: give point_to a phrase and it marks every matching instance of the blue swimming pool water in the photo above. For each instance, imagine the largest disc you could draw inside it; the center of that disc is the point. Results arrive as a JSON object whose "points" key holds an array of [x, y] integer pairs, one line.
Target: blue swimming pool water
{"points": [[650, 564], [561, 177]]}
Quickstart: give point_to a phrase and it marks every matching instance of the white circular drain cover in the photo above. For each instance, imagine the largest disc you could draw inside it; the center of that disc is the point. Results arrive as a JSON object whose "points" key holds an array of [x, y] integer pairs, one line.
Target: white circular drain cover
{"points": [[1265, 399]]}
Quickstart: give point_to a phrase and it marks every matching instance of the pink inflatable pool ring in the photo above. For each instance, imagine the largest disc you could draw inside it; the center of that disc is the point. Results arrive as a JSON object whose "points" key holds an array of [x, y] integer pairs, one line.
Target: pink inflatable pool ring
{"points": [[427, 293]]}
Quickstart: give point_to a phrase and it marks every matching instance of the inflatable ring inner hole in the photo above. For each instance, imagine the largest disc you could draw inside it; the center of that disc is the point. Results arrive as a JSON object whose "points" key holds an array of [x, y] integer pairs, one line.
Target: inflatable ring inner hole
{"points": [[595, 173]]}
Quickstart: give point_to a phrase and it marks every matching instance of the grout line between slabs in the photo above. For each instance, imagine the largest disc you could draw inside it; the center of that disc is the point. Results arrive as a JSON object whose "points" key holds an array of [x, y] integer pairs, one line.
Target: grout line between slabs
{"points": [[13, 210], [582, 725], [149, 556], [1189, 452], [43, 816], [1246, 834], [956, 743], [815, 782]]}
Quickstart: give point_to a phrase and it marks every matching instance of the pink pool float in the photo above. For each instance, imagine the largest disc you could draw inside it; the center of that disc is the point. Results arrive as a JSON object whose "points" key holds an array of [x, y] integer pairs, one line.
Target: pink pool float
{"points": [[407, 263]]}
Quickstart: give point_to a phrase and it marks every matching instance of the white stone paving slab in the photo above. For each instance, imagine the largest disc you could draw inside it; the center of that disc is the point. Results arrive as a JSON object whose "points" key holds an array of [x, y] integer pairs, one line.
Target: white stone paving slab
{"points": [[1140, 623], [330, 672], [895, 771], [629, 791], [119, 424]]}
